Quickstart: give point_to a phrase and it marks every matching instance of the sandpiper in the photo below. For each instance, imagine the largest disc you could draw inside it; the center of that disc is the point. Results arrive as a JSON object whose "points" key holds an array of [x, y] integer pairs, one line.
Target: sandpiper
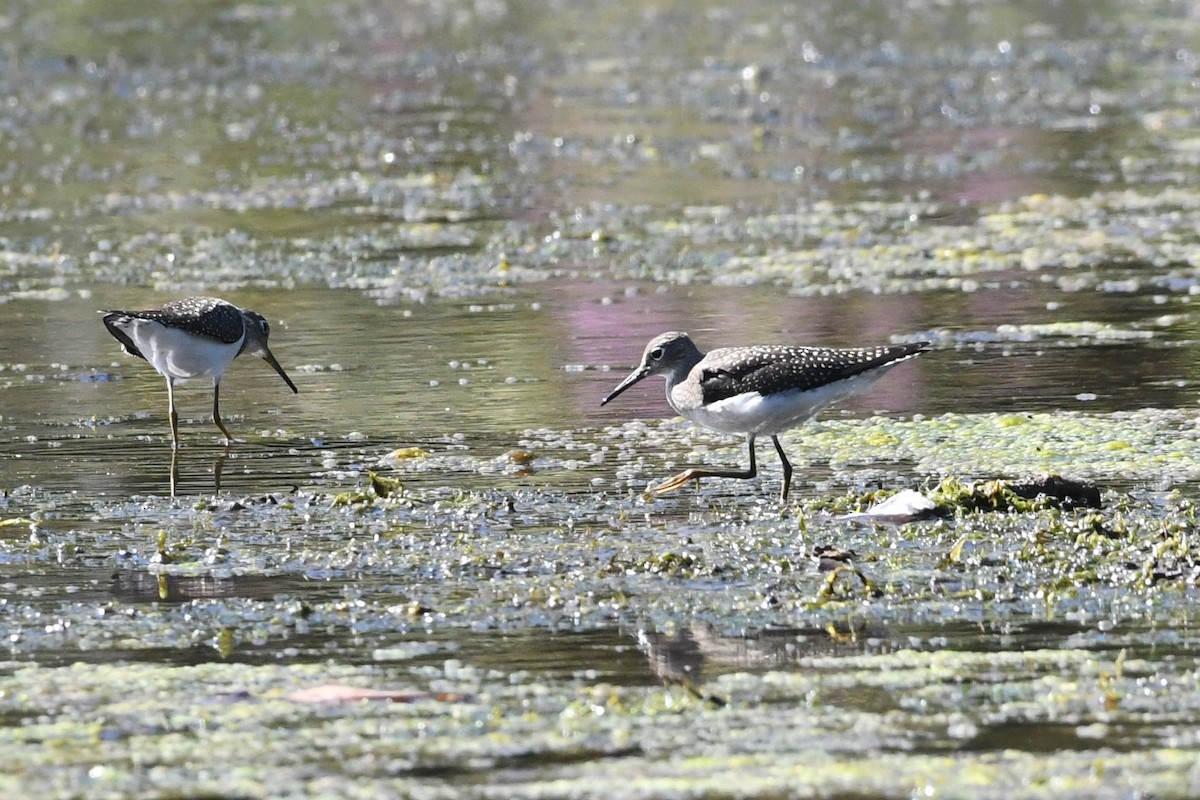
{"points": [[761, 390], [197, 337]]}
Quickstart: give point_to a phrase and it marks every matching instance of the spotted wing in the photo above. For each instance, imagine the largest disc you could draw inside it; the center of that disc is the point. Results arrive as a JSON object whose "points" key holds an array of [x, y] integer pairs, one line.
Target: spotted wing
{"points": [[771, 369], [201, 316]]}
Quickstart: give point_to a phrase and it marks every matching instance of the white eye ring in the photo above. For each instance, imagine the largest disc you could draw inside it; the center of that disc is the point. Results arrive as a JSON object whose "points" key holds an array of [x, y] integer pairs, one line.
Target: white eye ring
{"points": [[656, 353]]}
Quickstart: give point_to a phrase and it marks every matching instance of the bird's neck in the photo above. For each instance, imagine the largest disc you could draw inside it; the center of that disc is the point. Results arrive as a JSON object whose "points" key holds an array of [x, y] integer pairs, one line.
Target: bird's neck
{"points": [[679, 373]]}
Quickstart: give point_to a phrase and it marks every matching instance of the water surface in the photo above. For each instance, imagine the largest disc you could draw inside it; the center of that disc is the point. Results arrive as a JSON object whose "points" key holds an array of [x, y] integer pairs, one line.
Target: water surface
{"points": [[463, 222]]}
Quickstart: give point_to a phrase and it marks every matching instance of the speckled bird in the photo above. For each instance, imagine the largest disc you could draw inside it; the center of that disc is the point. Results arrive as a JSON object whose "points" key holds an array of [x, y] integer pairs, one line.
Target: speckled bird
{"points": [[758, 391], [193, 338]]}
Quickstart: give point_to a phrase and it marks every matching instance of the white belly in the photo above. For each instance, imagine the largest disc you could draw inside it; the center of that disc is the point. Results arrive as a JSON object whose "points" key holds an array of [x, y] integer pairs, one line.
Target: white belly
{"points": [[775, 413], [179, 355]]}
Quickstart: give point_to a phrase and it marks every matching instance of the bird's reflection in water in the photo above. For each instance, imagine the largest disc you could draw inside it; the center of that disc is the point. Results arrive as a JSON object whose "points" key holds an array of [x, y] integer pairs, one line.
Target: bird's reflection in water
{"points": [[686, 657], [137, 584]]}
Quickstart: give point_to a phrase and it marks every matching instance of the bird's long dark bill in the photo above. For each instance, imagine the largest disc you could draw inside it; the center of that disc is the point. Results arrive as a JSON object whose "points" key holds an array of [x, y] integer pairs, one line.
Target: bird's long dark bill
{"points": [[633, 378], [270, 359]]}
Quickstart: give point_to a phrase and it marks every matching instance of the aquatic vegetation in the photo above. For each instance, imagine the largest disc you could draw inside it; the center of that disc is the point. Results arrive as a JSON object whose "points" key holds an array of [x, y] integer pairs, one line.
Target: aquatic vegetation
{"points": [[952, 497], [435, 572]]}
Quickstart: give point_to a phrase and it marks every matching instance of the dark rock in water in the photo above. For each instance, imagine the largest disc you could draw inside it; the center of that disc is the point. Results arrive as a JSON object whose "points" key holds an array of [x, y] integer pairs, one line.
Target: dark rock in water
{"points": [[952, 496], [1070, 493]]}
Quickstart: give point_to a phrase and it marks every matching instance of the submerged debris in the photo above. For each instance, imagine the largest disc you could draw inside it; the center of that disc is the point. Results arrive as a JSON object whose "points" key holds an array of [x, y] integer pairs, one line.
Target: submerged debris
{"points": [[1068, 492], [834, 562], [952, 496], [906, 505], [830, 557], [338, 693], [384, 487]]}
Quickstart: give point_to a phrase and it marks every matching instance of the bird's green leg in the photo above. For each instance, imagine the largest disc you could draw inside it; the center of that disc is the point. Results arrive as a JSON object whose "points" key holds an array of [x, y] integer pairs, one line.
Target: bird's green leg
{"points": [[172, 415], [695, 474], [217, 413], [787, 469]]}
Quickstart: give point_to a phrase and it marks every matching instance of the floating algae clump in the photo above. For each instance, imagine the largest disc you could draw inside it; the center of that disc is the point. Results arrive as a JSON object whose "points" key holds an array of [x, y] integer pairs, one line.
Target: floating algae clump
{"points": [[952, 496]]}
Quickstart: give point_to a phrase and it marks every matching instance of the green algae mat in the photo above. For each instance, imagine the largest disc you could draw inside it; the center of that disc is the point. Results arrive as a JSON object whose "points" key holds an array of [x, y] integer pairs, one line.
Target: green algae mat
{"points": [[546, 639]]}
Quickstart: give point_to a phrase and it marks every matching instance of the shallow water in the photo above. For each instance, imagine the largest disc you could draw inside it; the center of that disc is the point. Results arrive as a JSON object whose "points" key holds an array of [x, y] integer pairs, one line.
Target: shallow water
{"points": [[471, 375], [463, 222]]}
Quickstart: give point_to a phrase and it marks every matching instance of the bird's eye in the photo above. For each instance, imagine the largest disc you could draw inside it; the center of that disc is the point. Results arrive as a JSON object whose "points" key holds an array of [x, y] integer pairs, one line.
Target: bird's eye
{"points": [[656, 353]]}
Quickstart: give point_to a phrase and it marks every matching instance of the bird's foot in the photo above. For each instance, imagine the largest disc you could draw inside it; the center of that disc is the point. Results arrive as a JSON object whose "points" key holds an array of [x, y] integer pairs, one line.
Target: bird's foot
{"points": [[671, 484]]}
